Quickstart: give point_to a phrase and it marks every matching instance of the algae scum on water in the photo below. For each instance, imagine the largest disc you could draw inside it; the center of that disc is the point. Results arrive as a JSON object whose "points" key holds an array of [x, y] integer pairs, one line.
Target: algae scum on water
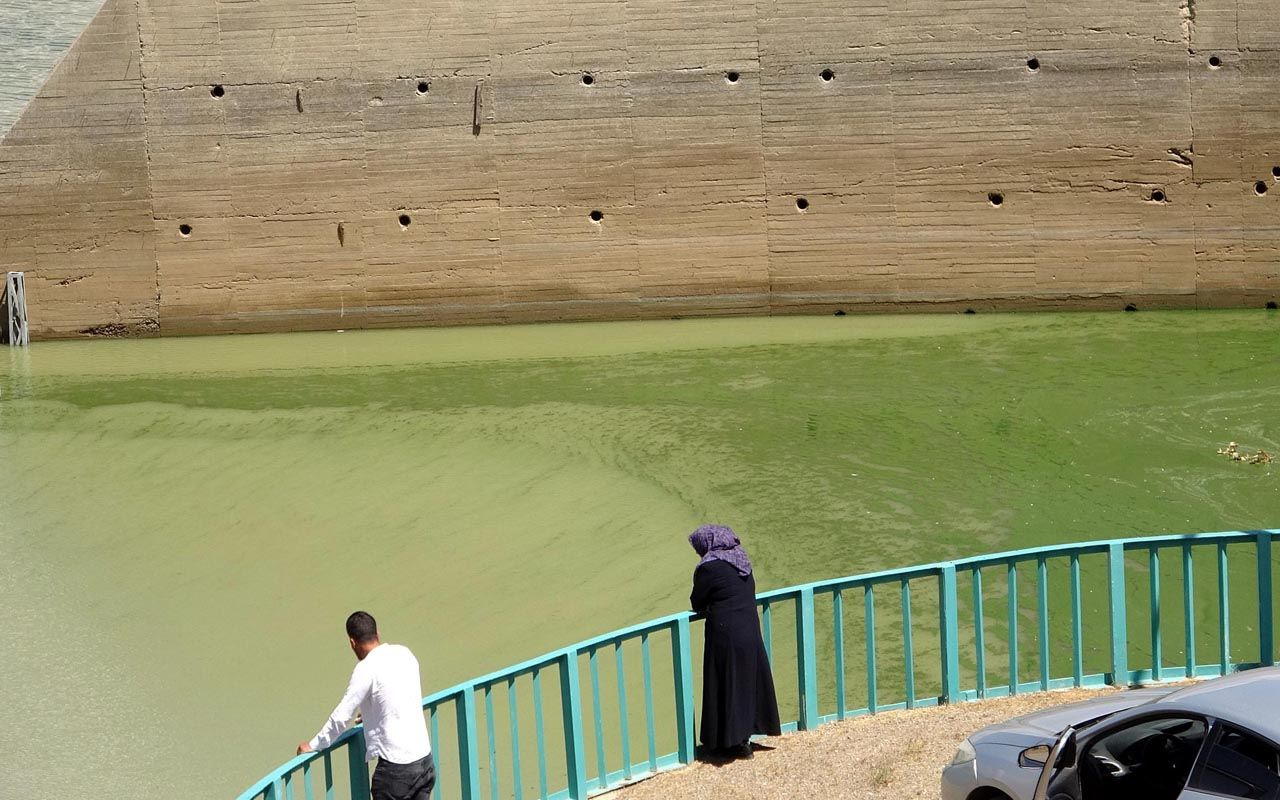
{"points": [[186, 523]]}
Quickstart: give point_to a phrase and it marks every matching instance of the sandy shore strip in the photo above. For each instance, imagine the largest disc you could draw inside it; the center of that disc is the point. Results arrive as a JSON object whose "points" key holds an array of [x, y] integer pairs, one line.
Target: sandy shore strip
{"points": [[899, 754]]}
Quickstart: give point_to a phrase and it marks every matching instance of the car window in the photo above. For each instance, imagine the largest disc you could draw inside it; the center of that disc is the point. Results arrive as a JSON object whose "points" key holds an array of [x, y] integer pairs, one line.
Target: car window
{"points": [[1240, 765]]}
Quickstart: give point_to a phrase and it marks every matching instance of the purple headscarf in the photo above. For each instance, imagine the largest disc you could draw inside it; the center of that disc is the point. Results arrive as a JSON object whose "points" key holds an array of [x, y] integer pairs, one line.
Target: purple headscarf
{"points": [[720, 543]]}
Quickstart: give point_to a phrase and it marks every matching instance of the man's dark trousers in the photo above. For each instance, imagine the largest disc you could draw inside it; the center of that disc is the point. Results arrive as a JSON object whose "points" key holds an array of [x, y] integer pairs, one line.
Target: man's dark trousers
{"points": [[404, 781]]}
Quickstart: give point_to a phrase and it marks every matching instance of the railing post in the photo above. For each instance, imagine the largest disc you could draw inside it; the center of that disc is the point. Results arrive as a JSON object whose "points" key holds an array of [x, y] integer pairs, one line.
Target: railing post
{"points": [[1118, 615], [682, 659], [1266, 632], [575, 765], [807, 652], [357, 767], [949, 633], [1224, 611], [468, 744]]}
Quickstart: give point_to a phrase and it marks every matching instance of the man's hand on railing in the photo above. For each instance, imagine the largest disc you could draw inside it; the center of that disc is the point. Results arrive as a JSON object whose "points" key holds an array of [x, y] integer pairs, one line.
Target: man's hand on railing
{"points": [[305, 747]]}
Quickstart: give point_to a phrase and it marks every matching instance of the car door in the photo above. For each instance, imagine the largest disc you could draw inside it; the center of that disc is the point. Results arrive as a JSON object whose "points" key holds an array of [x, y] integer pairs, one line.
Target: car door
{"points": [[1149, 755], [1236, 764]]}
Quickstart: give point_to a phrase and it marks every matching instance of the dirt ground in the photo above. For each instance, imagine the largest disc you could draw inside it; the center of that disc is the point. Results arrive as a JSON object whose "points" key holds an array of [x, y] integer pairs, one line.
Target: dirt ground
{"points": [[899, 754]]}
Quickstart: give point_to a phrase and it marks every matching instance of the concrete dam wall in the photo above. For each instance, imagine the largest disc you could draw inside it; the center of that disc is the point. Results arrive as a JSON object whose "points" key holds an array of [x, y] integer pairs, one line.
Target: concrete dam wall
{"points": [[201, 166]]}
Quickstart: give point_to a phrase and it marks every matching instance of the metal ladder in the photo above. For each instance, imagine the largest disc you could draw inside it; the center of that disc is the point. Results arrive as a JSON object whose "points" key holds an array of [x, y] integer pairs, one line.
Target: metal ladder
{"points": [[13, 311]]}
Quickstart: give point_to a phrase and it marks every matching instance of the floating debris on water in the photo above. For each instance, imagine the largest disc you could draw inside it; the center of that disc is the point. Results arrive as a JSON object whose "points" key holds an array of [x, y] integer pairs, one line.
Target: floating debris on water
{"points": [[1233, 452]]}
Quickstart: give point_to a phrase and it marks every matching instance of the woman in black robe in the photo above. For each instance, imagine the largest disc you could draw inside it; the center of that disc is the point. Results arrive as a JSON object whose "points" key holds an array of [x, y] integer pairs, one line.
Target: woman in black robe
{"points": [[738, 700]]}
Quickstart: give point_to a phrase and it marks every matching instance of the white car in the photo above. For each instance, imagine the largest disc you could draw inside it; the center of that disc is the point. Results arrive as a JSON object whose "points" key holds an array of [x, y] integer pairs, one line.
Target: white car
{"points": [[1211, 740]]}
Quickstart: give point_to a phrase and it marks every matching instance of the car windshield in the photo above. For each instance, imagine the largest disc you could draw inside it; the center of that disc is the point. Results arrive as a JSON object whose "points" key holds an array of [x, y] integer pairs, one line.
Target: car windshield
{"points": [[1091, 722]]}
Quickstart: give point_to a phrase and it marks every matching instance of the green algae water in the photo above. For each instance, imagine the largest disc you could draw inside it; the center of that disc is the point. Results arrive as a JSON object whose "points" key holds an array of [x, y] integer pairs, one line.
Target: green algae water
{"points": [[186, 523]]}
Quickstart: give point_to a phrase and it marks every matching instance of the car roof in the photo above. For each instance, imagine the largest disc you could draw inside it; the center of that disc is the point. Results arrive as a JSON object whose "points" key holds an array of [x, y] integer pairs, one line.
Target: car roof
{"points": [[1248, 699]]}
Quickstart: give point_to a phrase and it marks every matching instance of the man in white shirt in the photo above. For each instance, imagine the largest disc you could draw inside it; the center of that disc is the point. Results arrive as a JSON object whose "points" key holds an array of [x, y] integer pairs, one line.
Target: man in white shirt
{"points": [[387, 689]]}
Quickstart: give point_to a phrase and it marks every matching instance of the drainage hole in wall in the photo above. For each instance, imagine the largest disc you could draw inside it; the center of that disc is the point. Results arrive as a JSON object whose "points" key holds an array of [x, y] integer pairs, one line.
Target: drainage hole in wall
{"points": [[1215, 62], [217, 91], [839, 312], [423, 87], [405, 219], [597, 216], [1131, 307], [732, 77], [995, 198], [1033, 64], [827, 75], [1271, 305], [1260, 188], [297, 99], [970, 311], [588, 79], [802, 203], [184, 229], [1157, 196], [1275, 172]]}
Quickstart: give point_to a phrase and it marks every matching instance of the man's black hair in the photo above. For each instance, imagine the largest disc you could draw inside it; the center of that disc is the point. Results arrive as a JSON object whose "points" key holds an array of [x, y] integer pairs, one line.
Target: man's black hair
{"points": [[362, 627]]}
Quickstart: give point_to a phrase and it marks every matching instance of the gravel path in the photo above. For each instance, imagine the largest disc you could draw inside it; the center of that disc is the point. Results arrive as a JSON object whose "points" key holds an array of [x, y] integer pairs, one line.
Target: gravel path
{"points": [[898, 754]]}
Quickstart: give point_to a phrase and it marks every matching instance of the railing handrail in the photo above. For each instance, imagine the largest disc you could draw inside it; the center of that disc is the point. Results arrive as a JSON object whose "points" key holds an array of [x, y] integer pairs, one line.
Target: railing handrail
{"points": [[944, 570], [300, 760]]}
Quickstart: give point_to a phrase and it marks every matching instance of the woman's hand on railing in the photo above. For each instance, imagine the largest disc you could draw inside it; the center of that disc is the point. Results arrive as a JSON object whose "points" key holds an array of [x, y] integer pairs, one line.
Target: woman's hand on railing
{"points": [[305, 747]]}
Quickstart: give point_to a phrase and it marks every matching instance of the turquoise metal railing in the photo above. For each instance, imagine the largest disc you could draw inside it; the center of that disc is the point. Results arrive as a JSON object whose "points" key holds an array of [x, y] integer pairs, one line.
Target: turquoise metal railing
{"points": [[1079, 607]]}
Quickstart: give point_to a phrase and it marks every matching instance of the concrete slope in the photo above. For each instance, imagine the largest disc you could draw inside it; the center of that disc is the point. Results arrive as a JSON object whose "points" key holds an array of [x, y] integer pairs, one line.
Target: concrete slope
{"points": [[285, 164], [75, 199]]}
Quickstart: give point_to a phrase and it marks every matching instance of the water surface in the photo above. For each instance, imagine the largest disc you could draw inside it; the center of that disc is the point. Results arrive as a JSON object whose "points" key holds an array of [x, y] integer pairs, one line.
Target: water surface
{"points": [[185, 523]]}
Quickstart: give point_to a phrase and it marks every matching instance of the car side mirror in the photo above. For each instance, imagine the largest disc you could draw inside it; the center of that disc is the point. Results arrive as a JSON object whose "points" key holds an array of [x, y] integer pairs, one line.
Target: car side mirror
{"points": [[1066, 745], [1034, 757]]}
